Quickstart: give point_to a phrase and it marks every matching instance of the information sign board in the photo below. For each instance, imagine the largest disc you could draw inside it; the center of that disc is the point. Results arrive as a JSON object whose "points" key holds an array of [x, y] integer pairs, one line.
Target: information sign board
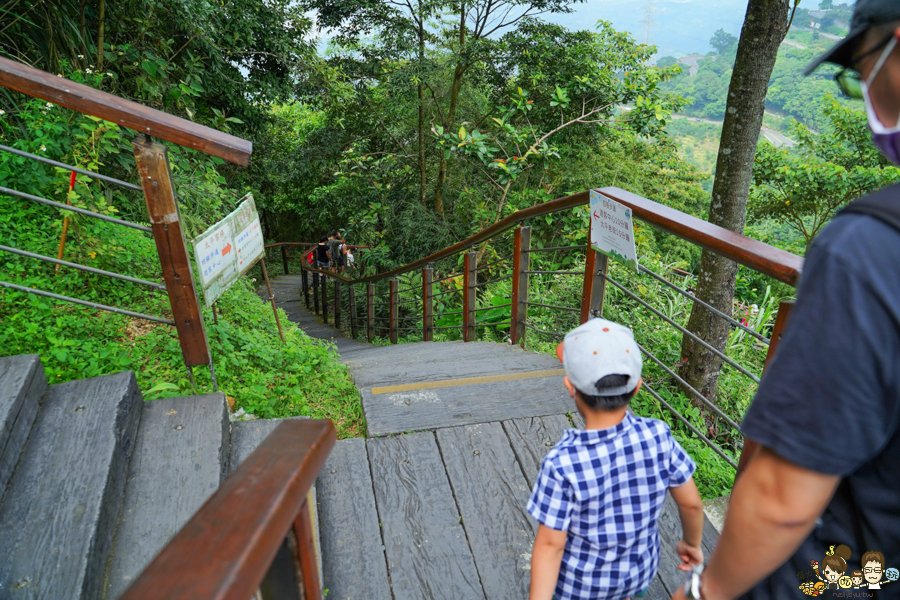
{"points": [[612, 229], [228, 249]]}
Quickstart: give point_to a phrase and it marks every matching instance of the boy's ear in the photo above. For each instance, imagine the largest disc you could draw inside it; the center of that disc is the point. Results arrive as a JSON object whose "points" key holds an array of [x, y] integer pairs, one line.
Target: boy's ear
{"points": [[638, 387], [569, 386]]}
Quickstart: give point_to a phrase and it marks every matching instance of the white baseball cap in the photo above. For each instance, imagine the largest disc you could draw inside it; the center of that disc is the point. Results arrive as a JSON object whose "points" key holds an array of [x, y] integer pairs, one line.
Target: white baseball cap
{"points": [[599, 348]]}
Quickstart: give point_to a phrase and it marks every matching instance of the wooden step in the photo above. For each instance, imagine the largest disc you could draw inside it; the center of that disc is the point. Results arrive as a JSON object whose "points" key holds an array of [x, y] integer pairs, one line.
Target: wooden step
{"points": [[22, 385], [437, 366], [180, 459], [426, 409], [491, 493], [59, 514], [353, 563], [427, 551]]}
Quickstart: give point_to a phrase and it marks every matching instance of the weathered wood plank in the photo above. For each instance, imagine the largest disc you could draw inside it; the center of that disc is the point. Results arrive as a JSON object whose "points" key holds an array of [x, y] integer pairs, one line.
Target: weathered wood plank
{"points": [[22, 384], [427, 552], [670, 527], [436, 365], [179, 461], [353, 563], [531, 438], [463, 405], [59, 514], [491, 494]]}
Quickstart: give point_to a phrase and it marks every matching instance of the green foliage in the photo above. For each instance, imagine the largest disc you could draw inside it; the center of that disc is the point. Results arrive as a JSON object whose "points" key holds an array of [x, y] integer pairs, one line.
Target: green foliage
{"points": [[805, 187], [264, 376]]}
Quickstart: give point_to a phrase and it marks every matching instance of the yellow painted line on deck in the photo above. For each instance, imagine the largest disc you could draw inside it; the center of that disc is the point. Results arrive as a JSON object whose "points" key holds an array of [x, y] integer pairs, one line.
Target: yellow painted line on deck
{"points": [[430, 385]]}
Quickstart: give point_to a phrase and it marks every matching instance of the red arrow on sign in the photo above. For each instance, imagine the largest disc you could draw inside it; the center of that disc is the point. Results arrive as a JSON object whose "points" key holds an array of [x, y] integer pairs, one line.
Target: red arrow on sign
{"points": [[226, 250]]}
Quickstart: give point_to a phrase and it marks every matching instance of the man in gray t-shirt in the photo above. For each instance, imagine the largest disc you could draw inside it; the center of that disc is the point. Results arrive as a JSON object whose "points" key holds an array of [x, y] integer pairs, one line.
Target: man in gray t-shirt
{"points": [[334, 244]]}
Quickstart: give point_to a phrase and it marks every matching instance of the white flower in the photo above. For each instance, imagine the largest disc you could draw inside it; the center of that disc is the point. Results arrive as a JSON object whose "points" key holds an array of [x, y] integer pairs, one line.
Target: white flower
{"points": [[49, 105], [110, 74], [59, 74], [43, 148], [88, 71], [2, 112], [81, 56]]}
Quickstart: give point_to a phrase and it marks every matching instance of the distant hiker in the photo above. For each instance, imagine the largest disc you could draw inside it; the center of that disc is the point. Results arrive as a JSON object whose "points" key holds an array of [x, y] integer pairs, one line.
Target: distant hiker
{"points": [[349, 258], [322, 259], [600, 492], [334, 249]]}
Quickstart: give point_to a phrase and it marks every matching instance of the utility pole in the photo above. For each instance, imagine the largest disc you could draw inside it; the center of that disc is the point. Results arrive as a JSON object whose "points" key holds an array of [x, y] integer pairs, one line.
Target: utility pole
{"points": [[648, 21]]}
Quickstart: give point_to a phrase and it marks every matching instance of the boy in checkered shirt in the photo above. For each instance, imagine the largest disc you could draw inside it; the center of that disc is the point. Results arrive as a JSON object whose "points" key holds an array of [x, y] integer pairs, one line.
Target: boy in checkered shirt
{"points": [[600, 491]]}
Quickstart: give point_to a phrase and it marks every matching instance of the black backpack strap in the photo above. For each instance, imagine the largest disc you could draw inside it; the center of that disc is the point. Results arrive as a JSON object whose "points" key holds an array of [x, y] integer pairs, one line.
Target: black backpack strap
{"points": [[883, 205]]}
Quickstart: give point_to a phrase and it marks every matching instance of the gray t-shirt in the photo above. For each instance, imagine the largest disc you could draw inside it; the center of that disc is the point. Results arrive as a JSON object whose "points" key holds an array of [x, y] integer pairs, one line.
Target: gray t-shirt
{"points": [[830, 401], [333, 245]]}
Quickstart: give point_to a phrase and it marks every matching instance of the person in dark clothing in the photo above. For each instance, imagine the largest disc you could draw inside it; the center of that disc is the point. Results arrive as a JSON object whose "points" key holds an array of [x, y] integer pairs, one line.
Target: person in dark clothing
{"points": [[322, 259], [827, 413], [334, 249]]}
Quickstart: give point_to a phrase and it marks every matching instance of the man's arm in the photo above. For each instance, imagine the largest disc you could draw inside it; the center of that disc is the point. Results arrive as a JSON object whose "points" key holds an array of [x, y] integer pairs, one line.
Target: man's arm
{"points": [[546, 556], [690, 509], [773, 508]]}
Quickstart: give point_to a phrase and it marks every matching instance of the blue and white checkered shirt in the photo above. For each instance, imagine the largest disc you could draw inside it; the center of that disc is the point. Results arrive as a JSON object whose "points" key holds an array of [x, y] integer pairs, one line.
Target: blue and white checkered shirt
{"points": [[606, 488]]}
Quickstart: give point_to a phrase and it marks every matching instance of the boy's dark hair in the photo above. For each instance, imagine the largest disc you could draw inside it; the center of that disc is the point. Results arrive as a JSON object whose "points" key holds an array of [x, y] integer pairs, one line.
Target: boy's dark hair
{"points": [[334, 232], [324, 239], [606, 403]]}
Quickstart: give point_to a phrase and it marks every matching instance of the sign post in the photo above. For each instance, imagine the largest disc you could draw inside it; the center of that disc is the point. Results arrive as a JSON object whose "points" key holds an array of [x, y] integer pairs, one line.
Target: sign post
{"points": [[612, 230]]}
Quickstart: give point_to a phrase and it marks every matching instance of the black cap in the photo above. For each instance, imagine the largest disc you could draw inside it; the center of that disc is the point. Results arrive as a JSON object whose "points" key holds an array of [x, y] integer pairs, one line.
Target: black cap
{"points": [[866, 14]]}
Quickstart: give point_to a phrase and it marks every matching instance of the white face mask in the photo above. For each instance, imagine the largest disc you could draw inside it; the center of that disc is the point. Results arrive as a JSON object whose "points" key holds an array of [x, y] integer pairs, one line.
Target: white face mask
{"points": [[875, 123], [886, 139]]}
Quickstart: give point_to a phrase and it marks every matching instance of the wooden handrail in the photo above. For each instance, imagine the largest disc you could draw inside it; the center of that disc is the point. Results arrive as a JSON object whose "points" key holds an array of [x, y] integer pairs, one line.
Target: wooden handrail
{"points": [[769, 260], [226, 548], [759, 256], [64, 92]]}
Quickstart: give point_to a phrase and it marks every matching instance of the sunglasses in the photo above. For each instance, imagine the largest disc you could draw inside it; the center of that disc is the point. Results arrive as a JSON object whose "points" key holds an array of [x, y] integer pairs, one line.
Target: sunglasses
{"points": [[849, 80]]}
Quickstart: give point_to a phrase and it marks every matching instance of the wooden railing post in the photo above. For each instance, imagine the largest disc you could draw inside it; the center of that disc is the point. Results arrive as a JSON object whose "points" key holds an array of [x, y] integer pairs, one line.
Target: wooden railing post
{"points": [[521, 262], [351, 294], [594, 288], [315, 277], [337, 303], [470, 278], [307, 552], [751, 447], [304, 279], [284, 261], [395, 284], [156, 179], [428, 304], [370, 313], [324, 299]]}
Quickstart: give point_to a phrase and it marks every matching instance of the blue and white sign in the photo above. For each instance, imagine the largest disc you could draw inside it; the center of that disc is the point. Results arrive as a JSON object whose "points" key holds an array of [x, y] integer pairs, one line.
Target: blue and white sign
{"points": [[228, 249]]}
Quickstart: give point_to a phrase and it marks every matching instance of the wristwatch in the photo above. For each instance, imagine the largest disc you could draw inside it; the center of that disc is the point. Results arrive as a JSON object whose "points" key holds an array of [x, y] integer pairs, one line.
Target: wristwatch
{"points": [[692, 583]]}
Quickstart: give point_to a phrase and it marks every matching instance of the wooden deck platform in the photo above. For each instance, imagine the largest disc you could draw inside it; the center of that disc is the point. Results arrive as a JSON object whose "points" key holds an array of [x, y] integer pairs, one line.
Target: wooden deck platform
{"points": [[432, 503]]}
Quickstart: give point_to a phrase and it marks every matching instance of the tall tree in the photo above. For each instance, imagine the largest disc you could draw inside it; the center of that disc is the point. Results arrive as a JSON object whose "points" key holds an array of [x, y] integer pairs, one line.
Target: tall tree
{"points": [[765, 25], [477, 21]]}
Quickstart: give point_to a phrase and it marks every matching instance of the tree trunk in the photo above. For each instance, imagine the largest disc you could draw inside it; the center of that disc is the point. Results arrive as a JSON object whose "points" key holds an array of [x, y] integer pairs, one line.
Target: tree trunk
{"points": [[422, 178], [765, 26], [100, 35], [458, 74]]}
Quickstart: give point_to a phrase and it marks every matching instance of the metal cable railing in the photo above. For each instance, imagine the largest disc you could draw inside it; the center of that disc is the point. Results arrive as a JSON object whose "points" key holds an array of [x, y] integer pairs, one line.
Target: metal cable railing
{"points": [[60, 165], [75, 209]]}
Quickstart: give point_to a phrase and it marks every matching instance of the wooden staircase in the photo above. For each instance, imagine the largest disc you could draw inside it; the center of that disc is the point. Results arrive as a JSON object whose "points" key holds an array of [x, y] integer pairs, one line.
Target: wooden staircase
{"points": [[432, 503], [95, 481]]}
